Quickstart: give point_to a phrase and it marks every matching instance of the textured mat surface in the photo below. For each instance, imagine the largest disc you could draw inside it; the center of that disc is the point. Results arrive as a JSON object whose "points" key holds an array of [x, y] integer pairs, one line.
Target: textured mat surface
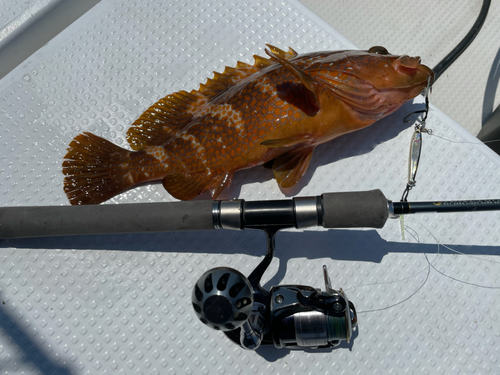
{"points": [[121, 304], [467, 92]]}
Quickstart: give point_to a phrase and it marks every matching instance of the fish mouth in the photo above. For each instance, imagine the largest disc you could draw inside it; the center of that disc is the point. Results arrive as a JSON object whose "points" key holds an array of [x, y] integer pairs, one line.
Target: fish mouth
{"points": [[427, 73], [423, 80]]}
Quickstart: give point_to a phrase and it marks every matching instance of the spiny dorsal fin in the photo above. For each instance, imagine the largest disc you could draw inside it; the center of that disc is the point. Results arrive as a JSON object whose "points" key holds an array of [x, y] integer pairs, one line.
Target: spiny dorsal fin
{"points": [[284, 55], [170, 114], [262, 62]]}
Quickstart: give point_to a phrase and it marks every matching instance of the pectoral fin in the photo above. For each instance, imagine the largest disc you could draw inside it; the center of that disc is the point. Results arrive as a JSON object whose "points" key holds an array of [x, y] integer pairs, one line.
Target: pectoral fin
{"points": [[289, 168], [308, 81]]}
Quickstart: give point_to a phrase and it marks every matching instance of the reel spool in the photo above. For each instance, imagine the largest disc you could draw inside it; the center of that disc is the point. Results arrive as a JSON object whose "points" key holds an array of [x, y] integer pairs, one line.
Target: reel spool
{"points": [[223, 298]]}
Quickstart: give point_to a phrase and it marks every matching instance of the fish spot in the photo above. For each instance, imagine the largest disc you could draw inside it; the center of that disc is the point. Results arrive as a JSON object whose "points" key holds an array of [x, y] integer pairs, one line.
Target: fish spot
{"points": [[224, 114]]}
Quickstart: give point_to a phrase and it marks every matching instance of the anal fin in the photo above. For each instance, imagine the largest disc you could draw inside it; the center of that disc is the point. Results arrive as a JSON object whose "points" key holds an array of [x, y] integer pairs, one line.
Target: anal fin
{"points": [[220, 183], [187, 186], [289, 168]]}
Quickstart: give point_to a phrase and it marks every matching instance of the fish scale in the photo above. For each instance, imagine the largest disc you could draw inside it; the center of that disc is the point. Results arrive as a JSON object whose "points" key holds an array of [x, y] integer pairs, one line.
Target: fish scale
{"points": [[278, 109]]}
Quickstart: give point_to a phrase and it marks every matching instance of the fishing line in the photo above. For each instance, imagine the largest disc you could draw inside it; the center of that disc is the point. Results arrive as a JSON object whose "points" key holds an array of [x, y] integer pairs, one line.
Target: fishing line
{"points": [[438, 243], [430, 265], [461, 281], [414, 234], [420, 124], [482, 143], [404, 300], [468, 255]]}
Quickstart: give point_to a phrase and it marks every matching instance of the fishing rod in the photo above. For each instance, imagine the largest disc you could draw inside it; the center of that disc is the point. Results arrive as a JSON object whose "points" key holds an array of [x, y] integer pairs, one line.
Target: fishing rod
{"points": [[363, 209], [286, 316]]}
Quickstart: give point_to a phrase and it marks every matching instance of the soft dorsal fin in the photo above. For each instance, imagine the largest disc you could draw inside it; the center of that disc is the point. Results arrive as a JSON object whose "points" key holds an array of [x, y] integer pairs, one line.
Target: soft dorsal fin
{"points": [[170, 114], [160, 121]]}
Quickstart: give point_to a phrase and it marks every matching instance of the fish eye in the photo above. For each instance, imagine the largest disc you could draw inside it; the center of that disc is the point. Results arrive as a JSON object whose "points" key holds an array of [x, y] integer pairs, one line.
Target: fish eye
{"points": [[378, 50]]}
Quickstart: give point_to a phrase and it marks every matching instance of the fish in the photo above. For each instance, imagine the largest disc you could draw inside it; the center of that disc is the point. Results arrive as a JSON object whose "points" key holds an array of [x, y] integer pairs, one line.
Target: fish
{"points": [[274, 111]]}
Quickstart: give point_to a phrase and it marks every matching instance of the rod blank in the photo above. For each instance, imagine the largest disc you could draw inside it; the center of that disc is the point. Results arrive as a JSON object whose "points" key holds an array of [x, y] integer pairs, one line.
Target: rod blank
{"points": [[403, 208]]}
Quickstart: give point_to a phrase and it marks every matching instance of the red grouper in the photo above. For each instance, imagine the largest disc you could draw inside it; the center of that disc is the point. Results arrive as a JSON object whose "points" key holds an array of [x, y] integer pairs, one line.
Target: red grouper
{"points": [[279, 108]]}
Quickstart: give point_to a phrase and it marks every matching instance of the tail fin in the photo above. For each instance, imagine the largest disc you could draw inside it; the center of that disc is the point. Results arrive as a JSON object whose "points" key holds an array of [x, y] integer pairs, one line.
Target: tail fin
{"points": [[96, 170]]}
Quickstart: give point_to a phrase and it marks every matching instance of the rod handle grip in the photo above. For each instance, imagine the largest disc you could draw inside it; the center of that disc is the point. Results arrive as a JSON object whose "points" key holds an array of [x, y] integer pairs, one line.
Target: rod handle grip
{"points": [[43, 221], [361, 209]]}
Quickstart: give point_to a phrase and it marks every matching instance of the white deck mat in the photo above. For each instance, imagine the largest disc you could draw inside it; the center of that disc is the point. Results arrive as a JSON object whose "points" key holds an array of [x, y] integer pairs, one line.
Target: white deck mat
{"points": [[121, 304]]}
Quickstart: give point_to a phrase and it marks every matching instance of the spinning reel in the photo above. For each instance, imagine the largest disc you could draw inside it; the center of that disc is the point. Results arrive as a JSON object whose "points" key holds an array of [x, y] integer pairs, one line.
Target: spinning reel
{"points": [[286, 316]]}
